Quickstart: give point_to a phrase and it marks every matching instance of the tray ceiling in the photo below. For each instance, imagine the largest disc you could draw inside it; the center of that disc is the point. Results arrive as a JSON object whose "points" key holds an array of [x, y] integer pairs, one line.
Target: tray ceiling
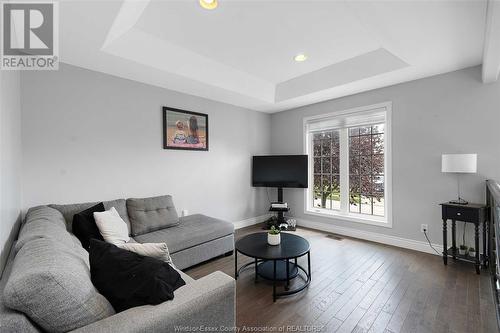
{"points": [[243, 52]]}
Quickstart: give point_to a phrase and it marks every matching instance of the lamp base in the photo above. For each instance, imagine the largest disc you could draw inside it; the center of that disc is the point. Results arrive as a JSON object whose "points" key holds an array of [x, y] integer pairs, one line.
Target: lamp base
{"points": [[459, 201]]}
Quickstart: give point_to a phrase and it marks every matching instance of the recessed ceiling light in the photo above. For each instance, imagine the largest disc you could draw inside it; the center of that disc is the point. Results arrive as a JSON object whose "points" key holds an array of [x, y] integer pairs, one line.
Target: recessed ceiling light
{"points": [[208, 4], [300, 57]]}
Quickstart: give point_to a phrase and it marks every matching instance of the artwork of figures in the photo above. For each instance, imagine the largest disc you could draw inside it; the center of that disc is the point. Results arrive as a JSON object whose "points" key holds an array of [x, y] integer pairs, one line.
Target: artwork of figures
{"points": [[184, 129]]}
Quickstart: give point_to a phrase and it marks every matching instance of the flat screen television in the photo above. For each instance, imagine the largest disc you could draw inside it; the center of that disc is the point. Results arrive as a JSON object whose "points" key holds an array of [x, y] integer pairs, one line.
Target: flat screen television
{"points": [[280, 171]]}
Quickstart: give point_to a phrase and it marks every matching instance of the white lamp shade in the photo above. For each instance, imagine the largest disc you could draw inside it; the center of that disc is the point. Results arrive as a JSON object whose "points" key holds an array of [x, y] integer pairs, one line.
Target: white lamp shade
{"points": [[459, 163]]}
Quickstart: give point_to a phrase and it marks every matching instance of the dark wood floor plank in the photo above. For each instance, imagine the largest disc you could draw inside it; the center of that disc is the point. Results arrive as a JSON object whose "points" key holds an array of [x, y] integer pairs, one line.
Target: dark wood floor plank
{"points": [[380, 324], [374, 310], [430, 309], [330, 312], [368, 273], [399, 315], [386, 265], [472, 304], [459, 315], [413, 319], [369, 298], [354, 301], [351, 322], [383, 278], [359, 286], [396, 297], [488, 323]]}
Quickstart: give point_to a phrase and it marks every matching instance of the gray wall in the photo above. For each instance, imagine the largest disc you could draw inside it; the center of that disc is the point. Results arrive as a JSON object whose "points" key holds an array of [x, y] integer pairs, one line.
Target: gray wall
{"points": [[449, 113], [10, 160], [90, 136]]}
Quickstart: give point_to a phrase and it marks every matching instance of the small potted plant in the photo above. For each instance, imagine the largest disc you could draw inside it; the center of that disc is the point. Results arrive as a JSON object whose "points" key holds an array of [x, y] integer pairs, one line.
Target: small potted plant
{"points": [[472, 252], [462, 250], [273, 236]]}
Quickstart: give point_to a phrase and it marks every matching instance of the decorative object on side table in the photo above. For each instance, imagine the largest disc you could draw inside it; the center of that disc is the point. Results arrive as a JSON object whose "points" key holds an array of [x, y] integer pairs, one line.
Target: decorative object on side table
{"points": [[472, 252], [462, 250], [459, 163], [184, 129], [273, 236]]}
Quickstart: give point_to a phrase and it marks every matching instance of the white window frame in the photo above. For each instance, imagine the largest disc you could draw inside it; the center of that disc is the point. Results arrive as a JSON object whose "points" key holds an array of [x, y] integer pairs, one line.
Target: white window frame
{"points": [[343, 213]]}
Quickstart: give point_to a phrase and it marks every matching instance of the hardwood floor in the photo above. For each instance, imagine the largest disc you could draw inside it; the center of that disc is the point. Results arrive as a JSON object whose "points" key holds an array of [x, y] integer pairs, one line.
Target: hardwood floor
{"points": [[359, 286]]}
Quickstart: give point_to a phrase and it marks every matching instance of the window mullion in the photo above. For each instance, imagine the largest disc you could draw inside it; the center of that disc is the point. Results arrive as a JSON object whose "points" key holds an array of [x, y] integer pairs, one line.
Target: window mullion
{"points": [[344, 170]]}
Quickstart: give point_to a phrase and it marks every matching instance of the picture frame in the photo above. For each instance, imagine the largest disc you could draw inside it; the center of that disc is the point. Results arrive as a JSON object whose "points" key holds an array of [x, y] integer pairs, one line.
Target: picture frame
{"points": [[184, 130]]}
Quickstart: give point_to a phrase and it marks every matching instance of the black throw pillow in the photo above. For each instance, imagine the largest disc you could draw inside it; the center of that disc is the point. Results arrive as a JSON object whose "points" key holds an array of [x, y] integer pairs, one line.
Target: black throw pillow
{"points": [[84, 227], [128, 279]]}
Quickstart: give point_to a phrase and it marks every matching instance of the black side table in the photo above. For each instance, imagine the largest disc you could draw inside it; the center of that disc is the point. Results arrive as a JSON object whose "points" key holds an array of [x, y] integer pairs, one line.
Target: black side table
{"points": [[470, 213]]}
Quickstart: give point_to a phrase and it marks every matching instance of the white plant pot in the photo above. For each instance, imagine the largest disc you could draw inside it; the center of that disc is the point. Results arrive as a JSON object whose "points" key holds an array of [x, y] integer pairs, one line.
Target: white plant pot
{"points": [[472, 253], [273, 239], [462, 252]]}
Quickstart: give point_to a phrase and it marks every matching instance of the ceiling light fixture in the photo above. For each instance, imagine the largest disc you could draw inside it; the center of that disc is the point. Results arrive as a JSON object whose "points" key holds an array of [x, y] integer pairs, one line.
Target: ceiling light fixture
{"points": [[300, 57], [209, 4]]}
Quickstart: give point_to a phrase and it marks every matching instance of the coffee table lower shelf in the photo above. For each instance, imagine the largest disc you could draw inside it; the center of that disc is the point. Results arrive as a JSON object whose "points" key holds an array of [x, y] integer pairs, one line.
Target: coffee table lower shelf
{"points": [[276, 271], [277, 263], [265, 270]]}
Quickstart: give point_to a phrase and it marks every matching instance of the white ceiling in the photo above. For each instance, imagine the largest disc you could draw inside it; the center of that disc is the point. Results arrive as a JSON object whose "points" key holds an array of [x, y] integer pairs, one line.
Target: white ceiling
{"points": [[242, 52]]}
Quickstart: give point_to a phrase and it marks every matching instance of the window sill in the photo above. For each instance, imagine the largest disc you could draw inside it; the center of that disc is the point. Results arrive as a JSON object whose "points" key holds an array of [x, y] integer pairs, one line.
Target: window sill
{"points": [[351, 217]]}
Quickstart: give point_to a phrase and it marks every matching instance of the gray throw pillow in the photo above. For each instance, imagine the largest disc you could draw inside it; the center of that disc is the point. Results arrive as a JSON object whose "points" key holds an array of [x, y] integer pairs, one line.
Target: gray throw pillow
{"points": [[150, 214], [50, 283]]}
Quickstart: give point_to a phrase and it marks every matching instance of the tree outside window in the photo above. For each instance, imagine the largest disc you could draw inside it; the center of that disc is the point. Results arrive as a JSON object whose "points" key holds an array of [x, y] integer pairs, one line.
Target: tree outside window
{"points": [[366, 169], [326, 147]]}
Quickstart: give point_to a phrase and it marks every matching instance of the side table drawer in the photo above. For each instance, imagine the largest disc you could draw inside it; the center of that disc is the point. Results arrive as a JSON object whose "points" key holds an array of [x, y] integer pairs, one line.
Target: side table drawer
{"points": [[460, 214]]}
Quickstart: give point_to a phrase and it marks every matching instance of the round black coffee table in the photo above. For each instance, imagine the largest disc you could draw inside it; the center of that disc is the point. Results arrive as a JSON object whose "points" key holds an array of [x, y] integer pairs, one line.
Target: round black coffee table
{"points": [[272, 262]]}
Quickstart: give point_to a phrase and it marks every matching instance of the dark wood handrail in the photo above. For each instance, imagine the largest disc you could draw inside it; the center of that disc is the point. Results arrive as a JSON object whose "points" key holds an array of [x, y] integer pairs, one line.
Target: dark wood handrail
{"points": [[493, 202], [494, 189]]}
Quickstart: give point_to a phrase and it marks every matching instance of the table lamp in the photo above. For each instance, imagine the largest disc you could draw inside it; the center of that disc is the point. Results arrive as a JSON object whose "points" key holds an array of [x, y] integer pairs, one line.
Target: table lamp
{"points": [[459, 163]]}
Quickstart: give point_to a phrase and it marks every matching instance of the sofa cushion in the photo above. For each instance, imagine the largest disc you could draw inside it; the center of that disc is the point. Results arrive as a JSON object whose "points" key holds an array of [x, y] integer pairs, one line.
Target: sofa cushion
{"points": [[203, 252], [84, 226], [51, 284], [128, 279], [45, 213], [46, 222], [70, 210], [150, 214], [192, 230], [43, 229], [12, 320]]}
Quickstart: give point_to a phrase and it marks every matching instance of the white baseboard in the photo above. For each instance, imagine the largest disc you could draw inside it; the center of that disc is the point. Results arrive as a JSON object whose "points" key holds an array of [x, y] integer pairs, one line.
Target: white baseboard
{"points": [[251, 221], [373, 236]]}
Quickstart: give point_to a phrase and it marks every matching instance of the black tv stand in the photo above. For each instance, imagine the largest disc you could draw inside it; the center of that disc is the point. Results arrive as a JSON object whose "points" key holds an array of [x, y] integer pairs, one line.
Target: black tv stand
{"points": [[276, 221]]}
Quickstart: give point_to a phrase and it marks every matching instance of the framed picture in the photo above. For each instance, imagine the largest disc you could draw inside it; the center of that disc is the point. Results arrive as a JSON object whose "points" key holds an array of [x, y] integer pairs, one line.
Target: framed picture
{"points": [[184, 129]]}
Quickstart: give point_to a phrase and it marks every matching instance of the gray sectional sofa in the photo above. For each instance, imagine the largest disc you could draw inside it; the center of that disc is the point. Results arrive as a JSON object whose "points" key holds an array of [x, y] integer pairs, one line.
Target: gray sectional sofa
{"points": [[46, 283]]}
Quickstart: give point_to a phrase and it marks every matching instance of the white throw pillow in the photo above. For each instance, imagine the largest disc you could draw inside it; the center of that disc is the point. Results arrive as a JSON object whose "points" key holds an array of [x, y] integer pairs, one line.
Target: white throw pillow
{"points": [[111, 226], [155, 250]]}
